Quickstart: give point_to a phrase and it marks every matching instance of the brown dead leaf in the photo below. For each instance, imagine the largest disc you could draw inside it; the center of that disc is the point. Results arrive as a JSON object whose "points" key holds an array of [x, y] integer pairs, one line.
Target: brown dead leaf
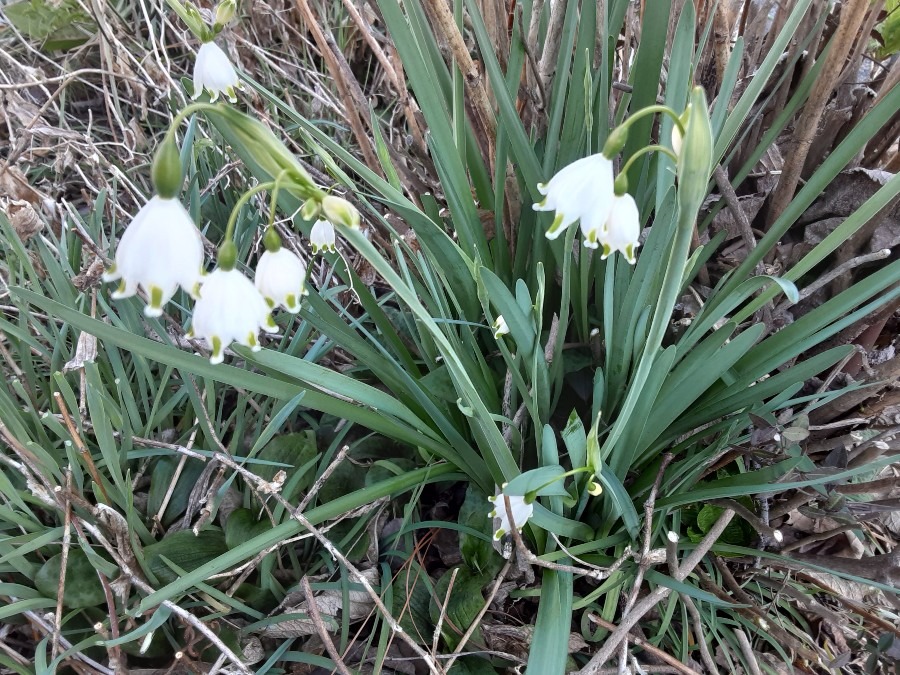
{"points": [[89, 276], [515, 640], [14, 185], [85, 352], [24, 219], [331, 607]]}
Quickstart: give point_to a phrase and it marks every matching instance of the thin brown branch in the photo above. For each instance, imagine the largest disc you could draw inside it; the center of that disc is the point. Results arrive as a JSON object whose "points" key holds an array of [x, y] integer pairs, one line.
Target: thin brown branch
{"points": [[316, 617], [853, 13], [650, 600], [448, 32], [647, 646], [354, 102]]}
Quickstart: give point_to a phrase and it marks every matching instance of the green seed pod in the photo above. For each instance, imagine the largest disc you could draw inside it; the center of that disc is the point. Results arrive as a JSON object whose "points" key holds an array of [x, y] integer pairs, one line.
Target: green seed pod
{"points": [[166, 171], [310, 209], [616, 141], [271, 240], [227, 257]]}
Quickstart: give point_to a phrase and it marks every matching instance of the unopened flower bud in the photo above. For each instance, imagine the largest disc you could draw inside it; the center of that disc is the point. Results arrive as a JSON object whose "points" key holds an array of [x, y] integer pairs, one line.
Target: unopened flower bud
{"points": [[225, 11], [340, 212], [500, 327], [696, 157], [310, 209], [166, 172]]}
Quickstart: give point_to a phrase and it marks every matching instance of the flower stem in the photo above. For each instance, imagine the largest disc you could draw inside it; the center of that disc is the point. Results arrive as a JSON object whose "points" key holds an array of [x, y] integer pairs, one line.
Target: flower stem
{"points": [[644, 151], [273, 185], [652, 110]]}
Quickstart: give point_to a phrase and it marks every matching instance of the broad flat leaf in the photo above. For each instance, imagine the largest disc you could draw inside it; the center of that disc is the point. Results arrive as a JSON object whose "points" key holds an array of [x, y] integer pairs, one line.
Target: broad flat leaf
{"points": [[56, 25], [463, 605], [242, 526], [82, 589], [161, 479], [412, 590], [476, 551], [295, 450], [184, 549]]}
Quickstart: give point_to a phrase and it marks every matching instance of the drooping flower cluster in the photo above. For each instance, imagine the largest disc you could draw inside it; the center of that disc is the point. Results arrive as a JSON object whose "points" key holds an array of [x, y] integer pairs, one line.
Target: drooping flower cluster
{"points": [[162, 249], [585, 191]]}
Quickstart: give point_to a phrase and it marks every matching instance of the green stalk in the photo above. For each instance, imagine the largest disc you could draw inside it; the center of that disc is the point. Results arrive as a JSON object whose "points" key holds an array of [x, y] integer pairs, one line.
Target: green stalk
{"points": [[664, 307]]}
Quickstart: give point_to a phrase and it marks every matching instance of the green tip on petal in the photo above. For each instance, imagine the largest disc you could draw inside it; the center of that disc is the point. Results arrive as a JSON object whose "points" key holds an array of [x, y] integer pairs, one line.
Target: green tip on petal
{"points": [[555, 228], [253, 342], [607, 251], [629, 254], [218, 352], [156, 302], [270, 302], [498, 535]]}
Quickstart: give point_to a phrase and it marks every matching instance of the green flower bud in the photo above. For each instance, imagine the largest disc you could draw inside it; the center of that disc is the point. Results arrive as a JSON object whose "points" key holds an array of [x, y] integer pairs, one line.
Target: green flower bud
{"points": [[310, 209], [225, 11], [676, 132], [616, 141], [620, 186], [166, 171], [271, 240], [340, 212], [259, 148], [695, 160], [227, 257]]}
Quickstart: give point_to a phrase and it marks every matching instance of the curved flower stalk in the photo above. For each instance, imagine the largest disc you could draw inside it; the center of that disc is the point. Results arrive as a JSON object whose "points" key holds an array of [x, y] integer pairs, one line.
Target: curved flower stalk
{"points": [[230, 309], [214, 73]]}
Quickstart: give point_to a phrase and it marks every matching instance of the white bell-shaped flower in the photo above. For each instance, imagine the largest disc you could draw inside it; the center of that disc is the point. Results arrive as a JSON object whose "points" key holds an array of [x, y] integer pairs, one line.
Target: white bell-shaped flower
{"points": [[321, 236], [230, 309], [516, 516], [582, 189], [500, 327], [160, 250], [623, 228], [281, 278], [214, 73]]}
